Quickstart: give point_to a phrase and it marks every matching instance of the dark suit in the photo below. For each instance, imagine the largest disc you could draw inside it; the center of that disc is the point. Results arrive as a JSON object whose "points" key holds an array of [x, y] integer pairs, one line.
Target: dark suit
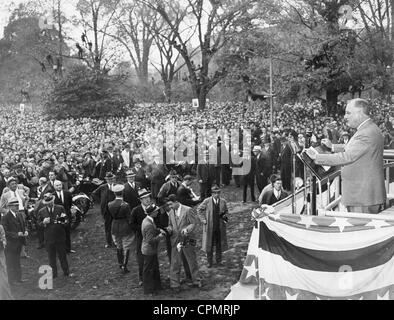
{"points": [[66, 203], [263, 168], [137, 216], [276, 153], [206, 174], [157, 173], [130, 195], [47, 189], [141, 180], [167, 189], [40, 229], [12, 226], [149, 248], [121, 215], [269, 197], [104, 167], [55, 236], [105, 196], [247, 179], [185, 196], [285, 165]]}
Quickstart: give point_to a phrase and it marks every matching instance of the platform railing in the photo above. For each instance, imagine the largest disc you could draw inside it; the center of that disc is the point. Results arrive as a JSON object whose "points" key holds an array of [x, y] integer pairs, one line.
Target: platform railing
{"points": [[329, 200]]}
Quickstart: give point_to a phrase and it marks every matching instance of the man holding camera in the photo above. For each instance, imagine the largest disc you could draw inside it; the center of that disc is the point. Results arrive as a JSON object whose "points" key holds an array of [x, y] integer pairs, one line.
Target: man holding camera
{"points": [[213, 214], [54, 220], [15, 232], [182, 223]]}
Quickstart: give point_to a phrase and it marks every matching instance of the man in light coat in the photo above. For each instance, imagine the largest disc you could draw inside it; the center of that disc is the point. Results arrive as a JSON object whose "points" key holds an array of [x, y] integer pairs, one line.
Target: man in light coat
{"points": [[213, 214], [181, 227], [363, 188]]}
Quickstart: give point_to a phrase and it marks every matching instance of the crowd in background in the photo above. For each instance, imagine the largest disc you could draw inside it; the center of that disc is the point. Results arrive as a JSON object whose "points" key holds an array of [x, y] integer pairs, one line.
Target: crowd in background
{"points": [[35, 151]]}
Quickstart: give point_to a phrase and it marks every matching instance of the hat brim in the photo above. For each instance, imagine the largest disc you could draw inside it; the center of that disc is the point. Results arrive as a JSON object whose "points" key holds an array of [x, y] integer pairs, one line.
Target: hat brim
{"points": [[145, 195], [45, 202], [13, 204]]}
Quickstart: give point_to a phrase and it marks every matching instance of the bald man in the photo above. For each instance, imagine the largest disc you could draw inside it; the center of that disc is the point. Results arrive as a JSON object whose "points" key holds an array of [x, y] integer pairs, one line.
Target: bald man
{"points": [[363, 188]]}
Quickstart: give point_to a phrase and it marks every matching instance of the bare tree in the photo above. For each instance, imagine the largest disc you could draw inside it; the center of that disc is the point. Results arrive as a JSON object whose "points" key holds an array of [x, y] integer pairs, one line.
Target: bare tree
{"points": [[170, 65], [215, 21], [134, 22], [97, 17]]}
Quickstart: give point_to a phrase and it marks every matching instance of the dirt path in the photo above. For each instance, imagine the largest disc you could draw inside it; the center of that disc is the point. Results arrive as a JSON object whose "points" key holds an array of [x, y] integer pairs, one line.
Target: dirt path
{"points": [[96, 274]]}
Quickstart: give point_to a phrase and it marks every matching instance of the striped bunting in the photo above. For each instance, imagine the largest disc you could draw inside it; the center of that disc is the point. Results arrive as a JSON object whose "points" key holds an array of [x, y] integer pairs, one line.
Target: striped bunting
{"points": [[319, 258]]}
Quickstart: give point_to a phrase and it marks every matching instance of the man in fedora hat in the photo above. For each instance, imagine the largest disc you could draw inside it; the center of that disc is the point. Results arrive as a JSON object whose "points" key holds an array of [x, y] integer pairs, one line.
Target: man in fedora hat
{"points": [[213, 214], [122, 233], [104, 166], [264, 164], [182, 225], [151, 237], [170, 187], [138, 214], [64, 198], [105, 195], [16, 233], [54, 220], [205, 176], [130, 192]]}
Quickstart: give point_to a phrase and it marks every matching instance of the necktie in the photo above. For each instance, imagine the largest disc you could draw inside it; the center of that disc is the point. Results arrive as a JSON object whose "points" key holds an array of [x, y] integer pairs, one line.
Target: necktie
{"points": [[60, 197]]}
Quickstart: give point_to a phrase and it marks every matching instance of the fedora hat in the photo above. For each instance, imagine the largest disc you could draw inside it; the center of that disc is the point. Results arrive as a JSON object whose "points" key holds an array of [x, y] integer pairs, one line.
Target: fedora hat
{"points": [[109, 176], [143, 193], [48, 198], [118, 188], [131, 173], [13, 203], [152, 208], [97, 181], [215, 189]]}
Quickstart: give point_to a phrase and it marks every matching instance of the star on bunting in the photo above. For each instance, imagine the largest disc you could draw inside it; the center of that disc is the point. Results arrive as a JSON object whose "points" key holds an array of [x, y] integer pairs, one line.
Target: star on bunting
{"points": [[291, 297], [265, 294], [377, 224], [341, 223], [307, 221], [276, 217], [385, 297], [251, 270]]}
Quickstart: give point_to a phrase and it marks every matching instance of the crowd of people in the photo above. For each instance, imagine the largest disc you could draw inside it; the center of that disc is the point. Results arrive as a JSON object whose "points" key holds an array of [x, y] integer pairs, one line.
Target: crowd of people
{"points": [[145, 201]]}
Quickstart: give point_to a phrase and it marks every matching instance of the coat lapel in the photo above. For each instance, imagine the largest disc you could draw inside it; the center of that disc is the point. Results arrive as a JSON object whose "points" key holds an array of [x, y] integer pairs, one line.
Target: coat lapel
{"points": [[182, 216]]}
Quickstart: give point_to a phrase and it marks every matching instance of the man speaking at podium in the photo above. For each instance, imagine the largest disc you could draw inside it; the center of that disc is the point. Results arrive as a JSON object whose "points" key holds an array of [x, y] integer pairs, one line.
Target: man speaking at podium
{"points": [[363, 188]]}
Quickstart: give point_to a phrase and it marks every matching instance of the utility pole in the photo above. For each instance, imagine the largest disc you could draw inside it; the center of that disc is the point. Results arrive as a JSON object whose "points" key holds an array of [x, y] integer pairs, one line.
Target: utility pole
{"points": [[271, 97]]}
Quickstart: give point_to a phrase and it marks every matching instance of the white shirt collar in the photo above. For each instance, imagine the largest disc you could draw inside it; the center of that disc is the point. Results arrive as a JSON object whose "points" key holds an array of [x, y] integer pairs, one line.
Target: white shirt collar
{"points": [[358, 128], [277, 193], [178, 211]]}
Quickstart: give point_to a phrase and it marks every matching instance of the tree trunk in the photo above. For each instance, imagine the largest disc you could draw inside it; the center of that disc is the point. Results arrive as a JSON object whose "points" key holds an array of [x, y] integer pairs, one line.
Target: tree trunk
{"points": [[392, 20], [332, 100], [60, 66], [202, 99], [168, 91]]}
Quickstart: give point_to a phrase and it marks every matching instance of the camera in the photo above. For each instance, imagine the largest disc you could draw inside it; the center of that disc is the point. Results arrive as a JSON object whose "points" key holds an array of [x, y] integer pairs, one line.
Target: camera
{"points": [[186, 240], [224, 218]]}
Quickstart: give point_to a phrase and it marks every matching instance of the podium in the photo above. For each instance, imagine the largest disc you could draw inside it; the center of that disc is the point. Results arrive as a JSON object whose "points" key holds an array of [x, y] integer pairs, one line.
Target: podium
{"points": [[320, 182]]}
